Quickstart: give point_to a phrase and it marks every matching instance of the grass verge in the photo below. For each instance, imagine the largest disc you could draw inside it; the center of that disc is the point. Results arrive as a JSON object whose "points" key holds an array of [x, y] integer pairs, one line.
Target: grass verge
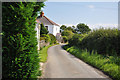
{"points": [[43, 53], [108, 64]]}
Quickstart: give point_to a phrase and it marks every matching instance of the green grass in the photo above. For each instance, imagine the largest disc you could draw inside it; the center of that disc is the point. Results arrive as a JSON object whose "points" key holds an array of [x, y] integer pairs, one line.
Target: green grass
{"points": [[108, 64], [43, 53]]}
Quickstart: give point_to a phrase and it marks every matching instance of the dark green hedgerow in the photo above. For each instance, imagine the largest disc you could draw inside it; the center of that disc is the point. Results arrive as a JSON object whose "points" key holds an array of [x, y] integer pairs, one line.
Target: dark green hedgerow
{"points": [[104, 41], [20, 57], [109, 65]]}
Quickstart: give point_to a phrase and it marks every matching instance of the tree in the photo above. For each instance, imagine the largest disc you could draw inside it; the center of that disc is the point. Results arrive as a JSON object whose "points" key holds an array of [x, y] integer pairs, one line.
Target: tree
{"points": [[67, 33], [20, 57], [43, 30], [71, 29], [63, 27], [83, 28]]}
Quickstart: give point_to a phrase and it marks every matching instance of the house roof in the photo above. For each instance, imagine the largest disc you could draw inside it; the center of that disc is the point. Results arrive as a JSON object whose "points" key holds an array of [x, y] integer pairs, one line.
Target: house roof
{"points": [[46, 21]]}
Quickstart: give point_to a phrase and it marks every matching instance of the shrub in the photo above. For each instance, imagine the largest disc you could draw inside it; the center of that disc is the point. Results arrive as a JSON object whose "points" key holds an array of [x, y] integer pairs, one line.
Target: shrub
{"points": [[45, 37], [43, 30], [42, 38], [104, 41], [67, 33], [20, 56], [65, 39], [53, 39], [76, 39]]}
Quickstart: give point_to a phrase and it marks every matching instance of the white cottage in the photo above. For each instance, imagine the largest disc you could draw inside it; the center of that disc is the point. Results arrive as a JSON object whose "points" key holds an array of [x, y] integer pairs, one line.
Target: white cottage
{"points": [[51, 26]]}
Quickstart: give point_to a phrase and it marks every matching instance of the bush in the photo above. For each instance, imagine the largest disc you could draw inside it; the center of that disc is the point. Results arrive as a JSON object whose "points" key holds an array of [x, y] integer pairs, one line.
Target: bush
{"points": [[53, 39], [20, 56], [43, 30], [67, 33], [76, 39], [45, 37], [104, 41], [65, 39]]}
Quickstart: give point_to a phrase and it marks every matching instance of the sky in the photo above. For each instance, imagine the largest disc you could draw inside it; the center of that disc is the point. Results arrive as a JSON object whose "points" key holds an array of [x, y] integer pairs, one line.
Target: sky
{"points": [[94, 14]]}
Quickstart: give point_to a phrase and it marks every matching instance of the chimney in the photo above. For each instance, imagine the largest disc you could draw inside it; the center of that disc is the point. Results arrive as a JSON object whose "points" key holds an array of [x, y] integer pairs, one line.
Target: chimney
{"points": [[41, 14]]}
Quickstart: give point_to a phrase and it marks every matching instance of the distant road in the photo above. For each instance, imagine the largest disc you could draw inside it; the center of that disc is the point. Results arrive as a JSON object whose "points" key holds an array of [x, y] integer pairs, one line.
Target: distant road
{"points": [[61, 64]]}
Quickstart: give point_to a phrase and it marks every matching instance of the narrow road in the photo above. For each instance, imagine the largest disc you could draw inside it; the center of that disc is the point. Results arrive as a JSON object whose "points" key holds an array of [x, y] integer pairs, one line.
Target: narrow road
{"points": [[61, 64]]}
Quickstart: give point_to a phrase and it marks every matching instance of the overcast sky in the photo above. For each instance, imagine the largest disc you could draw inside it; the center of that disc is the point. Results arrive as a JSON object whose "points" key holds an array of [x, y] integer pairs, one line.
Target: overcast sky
{"points": [[94, 14]]}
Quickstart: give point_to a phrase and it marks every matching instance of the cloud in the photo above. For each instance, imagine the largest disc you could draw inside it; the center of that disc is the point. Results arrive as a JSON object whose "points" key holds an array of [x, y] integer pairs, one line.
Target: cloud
{"points": [[91, 6], [97, 26]]}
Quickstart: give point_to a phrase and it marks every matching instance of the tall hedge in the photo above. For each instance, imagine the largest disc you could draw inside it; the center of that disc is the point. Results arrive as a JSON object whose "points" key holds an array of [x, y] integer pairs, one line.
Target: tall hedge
{"points": [[104, 41], [20, 56]]}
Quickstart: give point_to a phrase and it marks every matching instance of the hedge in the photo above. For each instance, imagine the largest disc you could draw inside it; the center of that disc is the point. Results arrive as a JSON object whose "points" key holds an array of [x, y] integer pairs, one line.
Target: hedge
{"points": [[20, 56], [104, 41]]}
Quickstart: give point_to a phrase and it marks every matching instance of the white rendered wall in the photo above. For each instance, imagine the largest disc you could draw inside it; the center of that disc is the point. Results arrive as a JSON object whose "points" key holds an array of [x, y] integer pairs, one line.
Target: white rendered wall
{"points": [[56, 30], [50, 28], [37, 28], [53, 29]]}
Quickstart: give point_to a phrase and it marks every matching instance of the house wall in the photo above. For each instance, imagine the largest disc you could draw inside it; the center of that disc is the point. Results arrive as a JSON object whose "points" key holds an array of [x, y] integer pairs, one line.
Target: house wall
{"points": [[50, 28], [56, 30], [53, 29], [38, 34]]}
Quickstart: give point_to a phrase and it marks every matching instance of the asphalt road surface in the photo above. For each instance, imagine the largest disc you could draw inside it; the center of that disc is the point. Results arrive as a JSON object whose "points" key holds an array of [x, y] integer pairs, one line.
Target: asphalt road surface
{"points": [[61, 64]]}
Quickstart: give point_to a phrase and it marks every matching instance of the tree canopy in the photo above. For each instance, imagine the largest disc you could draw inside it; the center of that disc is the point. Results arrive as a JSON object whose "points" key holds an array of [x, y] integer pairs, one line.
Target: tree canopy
{"points": [[71, 29], [63, 27], [83, 28]]}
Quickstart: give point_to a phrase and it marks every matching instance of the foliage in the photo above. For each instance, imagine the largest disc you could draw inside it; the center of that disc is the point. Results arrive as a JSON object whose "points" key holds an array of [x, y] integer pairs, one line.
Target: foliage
{"points": [[67, 33], [20, 57], [42, 38], [43, 54], [45, 37], [65, 39], [83, 28], [43, 30], [104, 41], [109, 64], [53, 39], [76, 39], [63, 27], [71, 29]]}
